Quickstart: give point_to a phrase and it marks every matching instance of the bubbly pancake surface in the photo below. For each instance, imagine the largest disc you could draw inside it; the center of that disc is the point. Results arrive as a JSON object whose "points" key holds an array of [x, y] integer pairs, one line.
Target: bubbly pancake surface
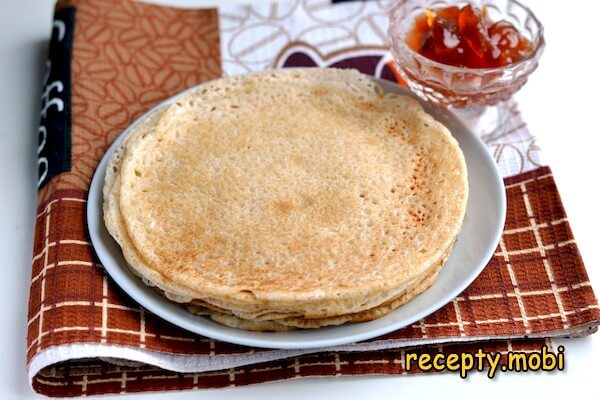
{"points": [[288, 190]]}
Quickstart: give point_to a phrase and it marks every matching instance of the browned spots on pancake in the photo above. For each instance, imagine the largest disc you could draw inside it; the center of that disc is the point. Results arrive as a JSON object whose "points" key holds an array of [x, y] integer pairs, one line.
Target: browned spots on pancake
{"points": [[367, 106], [419, 217], [418, 170], [318, 91], [299, 159], [393, 129], [327, 206], [373, 256], [284, 206]]}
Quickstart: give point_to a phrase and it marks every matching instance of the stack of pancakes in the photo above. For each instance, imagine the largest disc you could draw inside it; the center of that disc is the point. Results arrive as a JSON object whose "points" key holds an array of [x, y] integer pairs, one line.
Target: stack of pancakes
{"points": [[287, 199]]}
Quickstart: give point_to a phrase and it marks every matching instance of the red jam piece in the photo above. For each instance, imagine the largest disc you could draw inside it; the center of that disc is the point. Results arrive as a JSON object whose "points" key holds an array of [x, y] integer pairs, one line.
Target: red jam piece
{"points": [[465, 37]]}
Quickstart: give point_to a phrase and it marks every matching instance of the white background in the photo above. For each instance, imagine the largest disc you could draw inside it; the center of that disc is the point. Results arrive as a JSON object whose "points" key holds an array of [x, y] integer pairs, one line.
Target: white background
{"points": [[560, 104]]}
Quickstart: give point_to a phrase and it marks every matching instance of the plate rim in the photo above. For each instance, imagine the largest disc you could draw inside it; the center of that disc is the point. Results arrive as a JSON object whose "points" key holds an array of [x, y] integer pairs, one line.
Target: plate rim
{"points": [[149, 299]]}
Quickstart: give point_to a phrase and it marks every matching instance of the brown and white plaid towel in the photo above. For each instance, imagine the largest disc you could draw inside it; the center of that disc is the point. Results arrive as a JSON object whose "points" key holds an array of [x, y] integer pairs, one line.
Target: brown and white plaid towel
{"points": [[109, 62]]}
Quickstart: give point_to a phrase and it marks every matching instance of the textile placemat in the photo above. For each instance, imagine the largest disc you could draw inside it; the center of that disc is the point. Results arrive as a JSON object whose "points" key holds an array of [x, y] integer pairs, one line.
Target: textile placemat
{"points": [[109, 62]]}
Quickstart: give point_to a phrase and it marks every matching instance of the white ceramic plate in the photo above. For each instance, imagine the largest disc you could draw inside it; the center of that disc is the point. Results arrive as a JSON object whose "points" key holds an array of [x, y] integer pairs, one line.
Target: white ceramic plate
{"points": [[486, 210]]}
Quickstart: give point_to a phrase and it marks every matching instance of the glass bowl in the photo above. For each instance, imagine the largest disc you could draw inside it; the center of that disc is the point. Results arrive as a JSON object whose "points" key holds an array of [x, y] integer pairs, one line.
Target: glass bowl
{"points": [[461, 87]]}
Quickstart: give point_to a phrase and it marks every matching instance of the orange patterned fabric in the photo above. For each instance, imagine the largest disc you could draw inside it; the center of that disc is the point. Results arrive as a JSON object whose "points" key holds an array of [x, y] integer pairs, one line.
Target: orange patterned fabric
{"points": [[126, 58]]}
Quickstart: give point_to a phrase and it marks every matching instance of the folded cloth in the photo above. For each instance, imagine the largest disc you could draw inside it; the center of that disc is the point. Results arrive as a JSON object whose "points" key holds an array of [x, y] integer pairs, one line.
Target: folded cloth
{"points": [[112, 60]]}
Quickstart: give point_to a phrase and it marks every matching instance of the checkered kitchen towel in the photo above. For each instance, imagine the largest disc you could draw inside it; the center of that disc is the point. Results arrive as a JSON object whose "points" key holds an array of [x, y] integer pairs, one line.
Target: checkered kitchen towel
{"points": [[110, 61]]}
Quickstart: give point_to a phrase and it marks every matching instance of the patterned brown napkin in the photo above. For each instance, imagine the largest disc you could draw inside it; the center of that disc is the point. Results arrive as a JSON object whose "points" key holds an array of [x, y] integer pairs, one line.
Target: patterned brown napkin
{"points": [[112, 60]]}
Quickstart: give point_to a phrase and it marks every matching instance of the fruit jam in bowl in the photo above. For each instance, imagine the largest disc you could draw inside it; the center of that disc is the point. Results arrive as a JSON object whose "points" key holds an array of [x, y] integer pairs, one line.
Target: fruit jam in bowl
{"points": [[464, 54]]}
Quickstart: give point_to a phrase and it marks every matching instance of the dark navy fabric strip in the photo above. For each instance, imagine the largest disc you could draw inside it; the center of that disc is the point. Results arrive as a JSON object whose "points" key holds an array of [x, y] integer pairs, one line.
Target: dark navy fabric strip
{"points": [[54, 132]]}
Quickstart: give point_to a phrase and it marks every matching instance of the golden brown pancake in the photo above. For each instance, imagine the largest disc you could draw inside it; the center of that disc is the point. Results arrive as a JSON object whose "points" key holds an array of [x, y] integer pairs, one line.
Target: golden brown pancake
{"points": [[306, 194]]}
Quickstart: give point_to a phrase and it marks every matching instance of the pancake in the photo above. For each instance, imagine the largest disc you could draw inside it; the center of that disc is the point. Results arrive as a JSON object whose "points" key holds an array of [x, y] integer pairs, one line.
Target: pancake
{"points": [[328, 205], [279, 324], [288, 324]]}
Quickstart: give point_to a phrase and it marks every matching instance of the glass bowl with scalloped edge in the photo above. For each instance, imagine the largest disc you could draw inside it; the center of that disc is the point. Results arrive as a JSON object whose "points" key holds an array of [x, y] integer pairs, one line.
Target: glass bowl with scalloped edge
{"points": [[462, 87]]}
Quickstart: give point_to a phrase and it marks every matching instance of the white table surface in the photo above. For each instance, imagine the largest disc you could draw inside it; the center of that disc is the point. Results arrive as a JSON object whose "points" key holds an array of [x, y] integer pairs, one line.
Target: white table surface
{"points": [[559, 103]]}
